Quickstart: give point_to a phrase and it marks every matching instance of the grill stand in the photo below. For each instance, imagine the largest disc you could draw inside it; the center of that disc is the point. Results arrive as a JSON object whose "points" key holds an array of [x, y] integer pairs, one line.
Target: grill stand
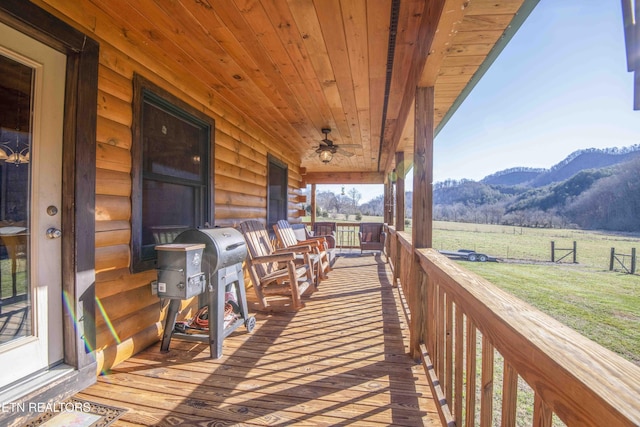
{"points": [[224, 280]]}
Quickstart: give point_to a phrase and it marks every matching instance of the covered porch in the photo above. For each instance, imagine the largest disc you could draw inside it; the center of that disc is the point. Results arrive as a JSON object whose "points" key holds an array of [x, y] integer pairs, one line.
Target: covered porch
{"points": [[342, 360]]}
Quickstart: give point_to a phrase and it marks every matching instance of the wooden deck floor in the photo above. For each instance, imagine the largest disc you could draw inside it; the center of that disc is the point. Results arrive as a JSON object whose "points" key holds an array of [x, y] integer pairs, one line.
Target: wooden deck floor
{"points": [[341, 360]]}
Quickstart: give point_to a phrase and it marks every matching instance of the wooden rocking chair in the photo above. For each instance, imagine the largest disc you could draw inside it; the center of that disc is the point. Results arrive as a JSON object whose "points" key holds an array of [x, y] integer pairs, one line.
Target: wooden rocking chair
{"points": [[319, 257], [274, 273]]}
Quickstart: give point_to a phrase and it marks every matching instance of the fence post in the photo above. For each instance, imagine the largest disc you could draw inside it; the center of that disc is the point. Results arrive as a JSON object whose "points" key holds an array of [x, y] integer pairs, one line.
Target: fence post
{"points": [[575, 252], [613, 255], [633, 260], [553, 251]]}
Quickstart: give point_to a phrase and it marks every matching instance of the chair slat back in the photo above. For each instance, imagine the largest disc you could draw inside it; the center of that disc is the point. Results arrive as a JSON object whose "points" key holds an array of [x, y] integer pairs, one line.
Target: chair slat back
{"points": [[324, 228], [371, 232], [285, 233], [258, 244]]}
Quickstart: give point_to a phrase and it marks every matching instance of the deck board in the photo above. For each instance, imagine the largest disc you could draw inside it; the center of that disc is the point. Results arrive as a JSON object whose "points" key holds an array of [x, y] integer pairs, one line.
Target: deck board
{"points": [[341, 360]]}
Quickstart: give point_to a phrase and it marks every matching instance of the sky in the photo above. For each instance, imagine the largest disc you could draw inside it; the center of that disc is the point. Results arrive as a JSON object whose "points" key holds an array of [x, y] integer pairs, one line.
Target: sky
{"points": [[560, 85]]}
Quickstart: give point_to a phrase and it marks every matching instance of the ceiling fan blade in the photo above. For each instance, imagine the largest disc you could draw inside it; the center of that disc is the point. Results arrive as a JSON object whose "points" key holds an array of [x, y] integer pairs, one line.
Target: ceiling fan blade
{"points": [[343, 152]]}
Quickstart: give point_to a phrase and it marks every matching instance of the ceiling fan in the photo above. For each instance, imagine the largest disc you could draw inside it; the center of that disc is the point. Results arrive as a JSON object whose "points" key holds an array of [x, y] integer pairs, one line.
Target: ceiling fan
{"points": [[327, 148]]}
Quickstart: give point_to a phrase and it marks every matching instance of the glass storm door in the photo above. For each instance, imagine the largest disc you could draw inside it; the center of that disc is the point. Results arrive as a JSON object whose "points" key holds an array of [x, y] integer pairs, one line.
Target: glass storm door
{"points": [[31, 113]]}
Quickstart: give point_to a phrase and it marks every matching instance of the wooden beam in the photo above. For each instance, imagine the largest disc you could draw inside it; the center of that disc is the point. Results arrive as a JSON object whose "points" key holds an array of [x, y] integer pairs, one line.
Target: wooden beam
{"points": [[313, 203], [345, 178], [422, 212], [388, 202], [430, 23], [400, 202], [452, 14], [423, 169]]}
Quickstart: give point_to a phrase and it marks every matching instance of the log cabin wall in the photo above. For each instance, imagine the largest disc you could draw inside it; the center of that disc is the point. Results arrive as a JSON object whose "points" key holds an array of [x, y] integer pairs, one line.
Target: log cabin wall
{"points": [[129, 317]]}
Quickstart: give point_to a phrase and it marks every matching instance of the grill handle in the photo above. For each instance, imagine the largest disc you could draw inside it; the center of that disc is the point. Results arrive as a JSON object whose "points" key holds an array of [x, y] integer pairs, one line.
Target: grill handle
{"points": [[235, 246]]}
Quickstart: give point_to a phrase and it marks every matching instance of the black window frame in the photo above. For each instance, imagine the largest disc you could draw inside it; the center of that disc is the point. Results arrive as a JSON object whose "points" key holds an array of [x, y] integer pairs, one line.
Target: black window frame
{"points": [[282, 211], [146, 92]]}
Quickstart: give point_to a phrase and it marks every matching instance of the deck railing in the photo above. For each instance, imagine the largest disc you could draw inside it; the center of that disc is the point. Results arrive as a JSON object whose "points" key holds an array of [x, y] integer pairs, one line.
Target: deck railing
{"points": [[346, 234], [479, 344]]}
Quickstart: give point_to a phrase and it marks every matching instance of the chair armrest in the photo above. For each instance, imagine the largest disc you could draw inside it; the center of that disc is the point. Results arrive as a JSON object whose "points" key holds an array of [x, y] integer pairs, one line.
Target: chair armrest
{"points": [[275, 257], [319, 242], [331, 240], [295, 248]]}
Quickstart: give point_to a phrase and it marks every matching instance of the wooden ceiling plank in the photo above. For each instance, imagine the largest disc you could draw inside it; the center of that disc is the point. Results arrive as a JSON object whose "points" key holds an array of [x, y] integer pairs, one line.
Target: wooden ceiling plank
{"points": [[219, 36], [304, 14], [306, 85], [459, 78], [460, 61], [494, 7], [278, 37], [249, 49], [459, 49], [486, 22], [455, 71], [146, 23], [328, 14], [478, 37], [354, 13], [127, 41]]}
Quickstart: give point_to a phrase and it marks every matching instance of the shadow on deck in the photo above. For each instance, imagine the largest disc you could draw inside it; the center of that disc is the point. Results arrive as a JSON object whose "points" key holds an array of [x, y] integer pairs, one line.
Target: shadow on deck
{"points": [[341, 360]]}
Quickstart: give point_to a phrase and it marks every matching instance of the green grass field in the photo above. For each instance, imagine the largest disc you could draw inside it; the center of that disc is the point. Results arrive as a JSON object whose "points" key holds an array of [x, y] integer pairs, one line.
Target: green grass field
{"points": [[603, 305]]}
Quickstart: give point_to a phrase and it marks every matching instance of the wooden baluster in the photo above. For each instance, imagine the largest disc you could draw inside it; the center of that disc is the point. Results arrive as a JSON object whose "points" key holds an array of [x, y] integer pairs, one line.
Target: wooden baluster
{"points": [[471, 375], [486, 396], [448, 379], [440, 337], [542, 414], [459, 356], [509, 395]]}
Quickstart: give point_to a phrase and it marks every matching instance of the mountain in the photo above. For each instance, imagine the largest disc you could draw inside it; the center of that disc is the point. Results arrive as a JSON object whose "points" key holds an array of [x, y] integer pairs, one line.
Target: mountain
{"points": [[577, 161], [589, 189]]}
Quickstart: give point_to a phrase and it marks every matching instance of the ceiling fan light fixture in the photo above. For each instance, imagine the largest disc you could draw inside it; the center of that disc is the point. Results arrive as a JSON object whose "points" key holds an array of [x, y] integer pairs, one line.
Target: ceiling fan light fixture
{"points": [[325, 156]]}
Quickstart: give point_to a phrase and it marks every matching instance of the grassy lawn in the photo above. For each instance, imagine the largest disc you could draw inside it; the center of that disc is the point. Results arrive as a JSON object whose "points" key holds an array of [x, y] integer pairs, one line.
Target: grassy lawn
{"points": [[593, 248], [603, 306]]}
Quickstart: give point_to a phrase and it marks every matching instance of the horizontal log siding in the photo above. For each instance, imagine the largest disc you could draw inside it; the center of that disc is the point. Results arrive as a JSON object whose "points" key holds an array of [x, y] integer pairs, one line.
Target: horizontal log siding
{"points": [[128, 316]]}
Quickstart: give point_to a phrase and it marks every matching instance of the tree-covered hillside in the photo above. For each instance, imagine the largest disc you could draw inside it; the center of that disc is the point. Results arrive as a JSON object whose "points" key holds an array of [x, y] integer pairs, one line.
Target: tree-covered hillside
{"points": [[605, 198]]}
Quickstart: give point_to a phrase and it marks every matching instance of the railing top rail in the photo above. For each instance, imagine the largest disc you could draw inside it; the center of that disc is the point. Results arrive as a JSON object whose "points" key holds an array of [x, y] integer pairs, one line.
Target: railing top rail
{"points": [[583, 382]]}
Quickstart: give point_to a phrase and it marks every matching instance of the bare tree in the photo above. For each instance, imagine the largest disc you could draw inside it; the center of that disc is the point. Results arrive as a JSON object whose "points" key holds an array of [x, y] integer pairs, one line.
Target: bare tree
{"points": [[355, 197]]}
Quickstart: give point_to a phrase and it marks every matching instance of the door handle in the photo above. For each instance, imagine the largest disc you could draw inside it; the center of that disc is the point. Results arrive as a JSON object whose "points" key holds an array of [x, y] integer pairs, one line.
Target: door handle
{"points": [[53, 233]]}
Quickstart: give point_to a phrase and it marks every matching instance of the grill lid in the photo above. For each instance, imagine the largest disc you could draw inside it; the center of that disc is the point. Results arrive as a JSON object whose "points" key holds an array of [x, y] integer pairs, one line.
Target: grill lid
{"points": [[224, 246]]}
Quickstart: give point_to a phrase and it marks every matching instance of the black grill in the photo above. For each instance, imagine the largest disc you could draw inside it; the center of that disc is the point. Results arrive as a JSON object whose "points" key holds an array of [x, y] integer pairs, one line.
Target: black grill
{"points": [[223, 250]]}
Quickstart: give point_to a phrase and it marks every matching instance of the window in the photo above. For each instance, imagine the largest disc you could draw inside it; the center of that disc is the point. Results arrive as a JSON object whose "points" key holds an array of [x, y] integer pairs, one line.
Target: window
{"points": [[172, 179], [277, 197]]}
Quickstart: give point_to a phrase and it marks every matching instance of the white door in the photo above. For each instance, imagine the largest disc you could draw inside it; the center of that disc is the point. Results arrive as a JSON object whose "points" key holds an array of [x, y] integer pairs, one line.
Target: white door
{"points": [[32, 82]]}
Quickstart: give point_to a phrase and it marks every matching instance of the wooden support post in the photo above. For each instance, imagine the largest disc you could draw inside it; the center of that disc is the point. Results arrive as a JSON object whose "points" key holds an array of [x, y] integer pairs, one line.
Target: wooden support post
{"points": [[400, 202], [553, 251], [385, 202], [422, 212], [390, 209], [313, 205], [612, 258], [575, 252]]}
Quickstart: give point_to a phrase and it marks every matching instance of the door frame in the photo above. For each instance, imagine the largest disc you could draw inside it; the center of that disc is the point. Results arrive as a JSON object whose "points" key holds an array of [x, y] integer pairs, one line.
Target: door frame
{"points": [[78, 189]]}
